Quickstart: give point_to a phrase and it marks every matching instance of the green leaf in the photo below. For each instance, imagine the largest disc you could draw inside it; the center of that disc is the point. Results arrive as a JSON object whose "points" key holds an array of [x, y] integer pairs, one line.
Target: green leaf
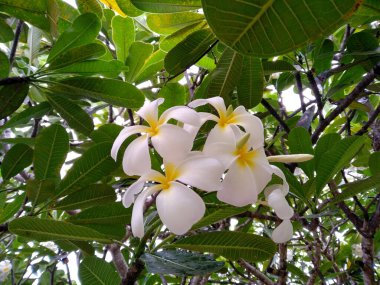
{"points": [[354, 188], [6, 33], [90, 6], [34, 12], [15, 160], [325, 143], [269, 28], [139, 52], [110, 69], [96, 271], [76, 118], [374, 162], [11, 97], [11, 208], [189, 51], [218, 215], [92, 166], [123, 35], [27, 141], [299, 141], [178, 262], [232, 245], [52, 146], [226, 75], [270, 67], [78, 54], [174, 95], [106, 133], [168, 23], [323, 55], [166, 6], [83, 31], [336, 158], [92, 195], [152, 65], [251, 85], [4, 65], [128, 8], [40, 190], [110, 214], [115, 92], [48, 230], [25, 116], [72, 245]]}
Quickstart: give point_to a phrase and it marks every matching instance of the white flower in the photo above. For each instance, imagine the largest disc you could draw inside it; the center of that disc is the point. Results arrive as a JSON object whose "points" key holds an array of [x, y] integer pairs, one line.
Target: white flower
{"points": [[178, 206], [228, 120], [248, 169], [136, 160], [5, 269]]}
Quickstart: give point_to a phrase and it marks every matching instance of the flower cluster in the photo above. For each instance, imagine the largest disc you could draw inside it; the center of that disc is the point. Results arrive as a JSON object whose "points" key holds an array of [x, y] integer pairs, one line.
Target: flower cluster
{"points": [[5, 269], [232, 162]]}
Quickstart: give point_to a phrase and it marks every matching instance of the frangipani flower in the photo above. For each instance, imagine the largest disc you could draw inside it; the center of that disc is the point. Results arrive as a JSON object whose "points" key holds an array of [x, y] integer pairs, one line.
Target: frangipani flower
{"points": [[136, 160], [5, 269], [178, 206], [228, 120]]}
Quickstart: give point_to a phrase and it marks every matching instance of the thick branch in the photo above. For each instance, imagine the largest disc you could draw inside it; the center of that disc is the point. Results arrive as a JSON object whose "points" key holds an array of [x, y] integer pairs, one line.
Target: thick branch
{"points": [[283, 274], [118, 260], [258, 274], [368, 266]]}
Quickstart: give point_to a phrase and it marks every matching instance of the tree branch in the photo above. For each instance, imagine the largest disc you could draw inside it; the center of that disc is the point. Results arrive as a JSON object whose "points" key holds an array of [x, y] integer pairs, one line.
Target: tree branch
{"points": [[275, 115], [317, 94], [118, 260], [371, 119], [258, 274], [15, 42], [297, 76]]}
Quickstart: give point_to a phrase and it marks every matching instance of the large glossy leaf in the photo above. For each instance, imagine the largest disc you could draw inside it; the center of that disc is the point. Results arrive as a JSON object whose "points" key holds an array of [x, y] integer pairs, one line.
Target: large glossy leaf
{"points": [[52, 146], [106, 133], [169, 23], [166, 6], [128, 8], [4, 65], [123, 35], [83, 31], [93, 165], [96, 271], [115, 92], [47, 230], [180, 262], [232, 245], [270, 67], [226, 75], [152, 65], [110, 214], [110, 69], [251, 85], [325, 143], [74, 115], [269, 28], [41, 190], [92, 195], [139, 52], [6, 33], [90, 6], [34, 12], [336, 158], [188, 51], [15, 160], [11, 208], [11, 97]]}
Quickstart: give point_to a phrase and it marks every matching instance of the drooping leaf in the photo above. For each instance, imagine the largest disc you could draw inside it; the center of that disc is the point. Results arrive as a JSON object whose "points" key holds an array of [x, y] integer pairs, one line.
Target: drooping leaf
{"points": [[93, 165], [92, 195], [168, 23], [51, 148], [269, 28], [83, 31], [90, 6], [15, 160], [139, 52], [115, 92], [6, 33], [47, 230], [226, 75], [123, 35], [232, 245], [166, 6], [11, 97], [96, 271], [4, 65], [251, 85], [188, 51], [74, 115], [110, 69], [180, 262], [11, 208]]}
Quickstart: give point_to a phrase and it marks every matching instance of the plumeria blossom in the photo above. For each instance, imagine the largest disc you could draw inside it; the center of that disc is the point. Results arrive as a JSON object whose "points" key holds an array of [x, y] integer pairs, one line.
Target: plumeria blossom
{"points": [[227, 121], [5, 269], [178, 206], [161, 134]]}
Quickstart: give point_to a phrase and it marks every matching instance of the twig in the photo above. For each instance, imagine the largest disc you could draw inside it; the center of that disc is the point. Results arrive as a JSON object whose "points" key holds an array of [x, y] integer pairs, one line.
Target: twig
{"points": [[297, 76], [370, 121], [130, 115], [317, 94], [282, 266], [275, 115], [110, 114], [15, 42], [258, 274]]}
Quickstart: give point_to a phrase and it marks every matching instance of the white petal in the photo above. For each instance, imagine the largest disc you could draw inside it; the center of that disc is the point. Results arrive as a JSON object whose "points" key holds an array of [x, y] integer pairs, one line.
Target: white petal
{"points": [[193, 130], [216, 102], [201, 171], [262, 170], [124, 134], [172, 143], [285, 186], [224, 152], [182, 114], [277, 201], [136, 160], [149, 111], [251, 125], [221, 134], [137, 221], [132, 191], [238, 187], [179, 208], [283, 232]]}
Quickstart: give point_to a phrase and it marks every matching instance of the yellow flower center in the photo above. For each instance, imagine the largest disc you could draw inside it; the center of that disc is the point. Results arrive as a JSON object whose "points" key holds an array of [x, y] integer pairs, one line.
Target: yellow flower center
{"points": [[245, 156], [171, 175], [225, 120]]}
